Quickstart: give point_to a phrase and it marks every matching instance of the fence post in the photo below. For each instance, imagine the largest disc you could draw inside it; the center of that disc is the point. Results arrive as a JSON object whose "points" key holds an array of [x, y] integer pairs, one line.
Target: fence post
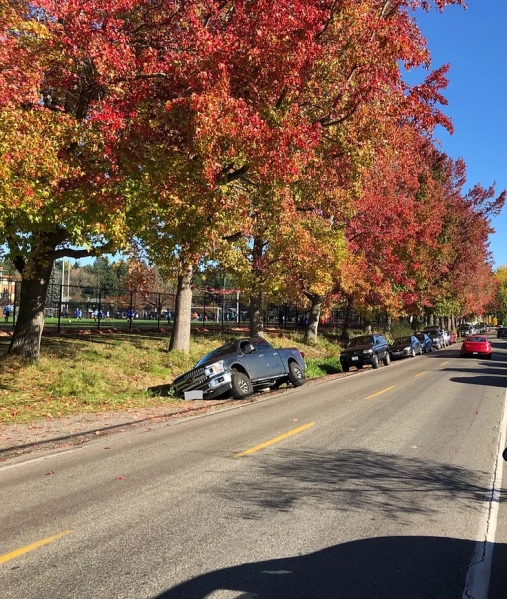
{"points": [[131, 318], [14, 303], [99, 309], [59, 306], [159, 310], [223, 309]]}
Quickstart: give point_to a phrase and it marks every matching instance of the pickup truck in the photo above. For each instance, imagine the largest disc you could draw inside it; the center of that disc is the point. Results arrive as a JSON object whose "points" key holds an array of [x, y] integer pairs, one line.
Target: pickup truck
{"points": [[241, 366]]}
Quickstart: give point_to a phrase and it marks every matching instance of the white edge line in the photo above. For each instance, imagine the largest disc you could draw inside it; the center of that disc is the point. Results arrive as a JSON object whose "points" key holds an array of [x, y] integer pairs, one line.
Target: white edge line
{"points": [[479, 571]]}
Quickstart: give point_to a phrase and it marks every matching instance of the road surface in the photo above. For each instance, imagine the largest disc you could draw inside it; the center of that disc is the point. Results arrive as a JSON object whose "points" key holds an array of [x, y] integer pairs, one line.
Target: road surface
{"points": [[383, 484]]}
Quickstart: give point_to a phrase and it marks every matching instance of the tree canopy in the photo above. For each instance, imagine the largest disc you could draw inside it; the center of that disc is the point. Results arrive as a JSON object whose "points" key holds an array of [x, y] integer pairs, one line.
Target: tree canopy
{"points": [[278, 139]]}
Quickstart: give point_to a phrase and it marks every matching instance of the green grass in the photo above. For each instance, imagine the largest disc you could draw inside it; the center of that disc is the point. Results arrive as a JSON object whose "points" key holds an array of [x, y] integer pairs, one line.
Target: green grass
{"points": [[104, 372]]}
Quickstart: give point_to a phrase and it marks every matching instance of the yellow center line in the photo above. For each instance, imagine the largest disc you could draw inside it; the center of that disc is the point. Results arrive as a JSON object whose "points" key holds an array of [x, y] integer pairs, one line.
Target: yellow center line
{"points": [[421, 373], [444, 363], [8, 556], [380, 392], [294, 431]]}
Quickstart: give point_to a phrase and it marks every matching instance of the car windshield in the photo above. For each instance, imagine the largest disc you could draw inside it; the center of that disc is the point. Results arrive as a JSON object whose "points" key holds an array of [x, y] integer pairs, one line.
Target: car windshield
{"points": [[366, 340], [402, 341], [476, 339], [229, 348]]}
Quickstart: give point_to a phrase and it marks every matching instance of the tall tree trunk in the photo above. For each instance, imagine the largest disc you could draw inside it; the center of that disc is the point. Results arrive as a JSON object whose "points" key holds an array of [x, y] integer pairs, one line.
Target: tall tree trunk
{"points": [[346, 322], [256, 319], [313, 318], [29, 325], [180, 337], [256, 296]]}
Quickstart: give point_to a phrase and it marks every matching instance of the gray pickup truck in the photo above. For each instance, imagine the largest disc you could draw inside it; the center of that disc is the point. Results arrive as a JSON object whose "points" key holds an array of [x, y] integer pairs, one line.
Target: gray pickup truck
{"points": [[241, 366]]}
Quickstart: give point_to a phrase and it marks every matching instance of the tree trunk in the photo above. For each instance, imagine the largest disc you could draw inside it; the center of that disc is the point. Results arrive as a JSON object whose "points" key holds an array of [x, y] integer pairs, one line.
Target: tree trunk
{"points": [[27, 335], [346, 322], [180, 336], [313, 318], [256, 320], [256, 296]]}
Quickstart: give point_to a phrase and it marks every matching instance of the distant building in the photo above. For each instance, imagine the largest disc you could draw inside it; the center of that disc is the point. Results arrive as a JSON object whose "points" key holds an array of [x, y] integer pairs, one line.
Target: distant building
{"points": [[7, 286]]}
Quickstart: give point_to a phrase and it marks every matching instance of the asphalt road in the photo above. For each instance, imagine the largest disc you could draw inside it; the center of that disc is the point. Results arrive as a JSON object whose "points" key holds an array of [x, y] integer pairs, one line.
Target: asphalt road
{"points": [[383, 484]]}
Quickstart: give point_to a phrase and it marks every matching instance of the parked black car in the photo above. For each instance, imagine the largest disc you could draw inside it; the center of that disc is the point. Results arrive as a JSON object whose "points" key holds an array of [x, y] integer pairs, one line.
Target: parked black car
{"points": [[425, 342], [403, 347], [241, 366], [366, 349], [501, 332]]}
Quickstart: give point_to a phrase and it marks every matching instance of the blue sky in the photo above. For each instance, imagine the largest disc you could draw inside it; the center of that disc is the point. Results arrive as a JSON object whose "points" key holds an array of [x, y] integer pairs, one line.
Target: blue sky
{"points": [[474, 43]]}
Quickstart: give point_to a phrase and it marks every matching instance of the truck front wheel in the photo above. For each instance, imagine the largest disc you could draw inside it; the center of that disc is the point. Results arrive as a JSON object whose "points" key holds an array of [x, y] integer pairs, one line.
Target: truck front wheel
{"points": [[241, 385]]}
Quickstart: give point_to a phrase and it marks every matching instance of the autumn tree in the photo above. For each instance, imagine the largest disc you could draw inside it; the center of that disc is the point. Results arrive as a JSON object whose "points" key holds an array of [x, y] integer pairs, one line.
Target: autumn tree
{"points": [[117, 116], [500, 300]]}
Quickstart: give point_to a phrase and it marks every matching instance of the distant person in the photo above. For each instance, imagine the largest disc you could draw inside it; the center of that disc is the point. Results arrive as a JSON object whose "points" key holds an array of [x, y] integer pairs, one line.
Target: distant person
{"points": [[6, 313]]}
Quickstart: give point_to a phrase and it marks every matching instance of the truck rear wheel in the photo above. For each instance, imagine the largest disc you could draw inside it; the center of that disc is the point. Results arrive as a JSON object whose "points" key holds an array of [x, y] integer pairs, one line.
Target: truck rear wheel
{"points": [[241, 385], [296, 375]]}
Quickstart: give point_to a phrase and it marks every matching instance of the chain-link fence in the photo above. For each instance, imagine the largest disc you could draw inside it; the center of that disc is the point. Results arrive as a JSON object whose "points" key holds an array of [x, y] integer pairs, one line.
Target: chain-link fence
{"points": [[77, 307]]}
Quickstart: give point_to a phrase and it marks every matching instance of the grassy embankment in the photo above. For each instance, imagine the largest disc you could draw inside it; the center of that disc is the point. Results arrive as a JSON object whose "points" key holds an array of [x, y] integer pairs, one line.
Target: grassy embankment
{"points": [[98, 372], [103, 372]]}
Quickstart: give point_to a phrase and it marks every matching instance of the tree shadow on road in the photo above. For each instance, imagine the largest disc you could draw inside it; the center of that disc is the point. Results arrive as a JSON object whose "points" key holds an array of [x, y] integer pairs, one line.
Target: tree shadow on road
{"points": [[352, 479], [375, 568]]}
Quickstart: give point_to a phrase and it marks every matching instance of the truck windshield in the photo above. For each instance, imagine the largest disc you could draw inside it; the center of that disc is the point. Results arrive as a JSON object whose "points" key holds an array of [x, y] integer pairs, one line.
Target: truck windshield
{"points": [[229, 348]]}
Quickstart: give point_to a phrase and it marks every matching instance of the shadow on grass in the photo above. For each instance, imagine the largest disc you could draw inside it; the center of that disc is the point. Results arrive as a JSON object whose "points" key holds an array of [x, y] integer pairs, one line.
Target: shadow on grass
{"points": [[160, 390], [327, 368]]}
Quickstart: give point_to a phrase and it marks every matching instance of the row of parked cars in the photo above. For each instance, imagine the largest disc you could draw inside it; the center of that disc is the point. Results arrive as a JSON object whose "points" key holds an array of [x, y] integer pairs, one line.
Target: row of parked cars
{"points": [[244, 365], [375, 349]]}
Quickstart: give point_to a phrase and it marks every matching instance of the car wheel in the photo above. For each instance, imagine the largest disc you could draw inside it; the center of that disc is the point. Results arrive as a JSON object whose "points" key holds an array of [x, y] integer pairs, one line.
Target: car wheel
{"points": [[490, 356], [296, 375], [241, 385], [345, 367], [374, 361], [387, 359]]}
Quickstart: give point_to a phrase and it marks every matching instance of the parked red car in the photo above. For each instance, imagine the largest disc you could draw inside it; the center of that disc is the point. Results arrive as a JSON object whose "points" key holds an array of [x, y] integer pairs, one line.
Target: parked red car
{"points": [[452, 337], [476, 345]]}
